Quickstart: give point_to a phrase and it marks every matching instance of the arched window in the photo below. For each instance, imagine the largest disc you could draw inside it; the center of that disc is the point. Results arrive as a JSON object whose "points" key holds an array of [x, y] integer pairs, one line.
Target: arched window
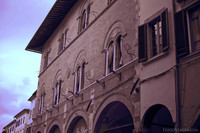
{"points": [[114, 55], [84, 19], [118, 56], [79, 78], [110, 55], [78, 125], [62, 42], [41, 102], [57, 90]]}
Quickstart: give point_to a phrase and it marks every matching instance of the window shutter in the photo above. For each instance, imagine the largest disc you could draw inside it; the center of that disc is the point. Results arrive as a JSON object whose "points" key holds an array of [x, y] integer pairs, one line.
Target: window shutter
{"points": [[164, 19], [181, 35], [142, 43]]}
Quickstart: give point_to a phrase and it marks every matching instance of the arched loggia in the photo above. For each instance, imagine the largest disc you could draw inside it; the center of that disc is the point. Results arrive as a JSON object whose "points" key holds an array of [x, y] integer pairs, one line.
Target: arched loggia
{"points": [[55, 129], [115, 118], [158, 119], [78, 125]]}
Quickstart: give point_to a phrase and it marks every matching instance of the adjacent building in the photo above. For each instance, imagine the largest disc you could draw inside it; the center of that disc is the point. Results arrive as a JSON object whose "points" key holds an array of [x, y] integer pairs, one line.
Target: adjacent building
{"points": [[21, 121], [187, 22], [118, 66], [10, 128], [32, 99]]}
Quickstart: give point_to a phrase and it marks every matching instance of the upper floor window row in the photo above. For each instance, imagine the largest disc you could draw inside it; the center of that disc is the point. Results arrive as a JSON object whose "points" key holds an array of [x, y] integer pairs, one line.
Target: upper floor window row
{"points": [[187, 30], [153, 36]]}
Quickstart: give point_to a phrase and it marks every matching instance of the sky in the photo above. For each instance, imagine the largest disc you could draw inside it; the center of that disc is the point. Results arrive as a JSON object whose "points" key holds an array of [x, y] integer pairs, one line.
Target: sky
{"points": [[19, 69]]}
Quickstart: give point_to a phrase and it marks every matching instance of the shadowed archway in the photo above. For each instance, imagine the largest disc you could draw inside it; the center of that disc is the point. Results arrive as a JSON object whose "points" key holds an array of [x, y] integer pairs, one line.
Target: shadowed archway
{"points": [[158, 119], [115, 118], [78, 125], [55, 129]]}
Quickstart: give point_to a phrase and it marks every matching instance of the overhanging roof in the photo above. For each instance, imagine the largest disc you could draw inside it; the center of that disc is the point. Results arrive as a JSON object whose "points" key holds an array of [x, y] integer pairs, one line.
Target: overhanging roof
{"points": [[33, 96], [22, 112], [12, 122], [50, 23]]}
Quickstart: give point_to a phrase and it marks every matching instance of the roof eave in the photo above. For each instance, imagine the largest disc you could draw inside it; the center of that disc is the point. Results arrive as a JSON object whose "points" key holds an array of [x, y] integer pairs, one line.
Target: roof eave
{"points": [[55, 16]]}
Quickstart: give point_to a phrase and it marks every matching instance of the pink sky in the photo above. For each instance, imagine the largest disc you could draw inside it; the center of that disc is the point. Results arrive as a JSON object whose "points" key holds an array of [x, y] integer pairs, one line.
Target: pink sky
{"points": [[19, 20]]}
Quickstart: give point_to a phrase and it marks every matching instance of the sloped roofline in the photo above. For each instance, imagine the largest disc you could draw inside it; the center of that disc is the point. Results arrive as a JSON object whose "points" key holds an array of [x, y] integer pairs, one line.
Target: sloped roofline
{"points": [[22, 112], [33, 96], [55, 16]]}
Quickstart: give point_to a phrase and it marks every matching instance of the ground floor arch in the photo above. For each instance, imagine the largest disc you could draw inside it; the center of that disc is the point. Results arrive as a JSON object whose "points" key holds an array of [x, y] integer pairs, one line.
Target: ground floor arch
{"points": [[196, 125], [55, 129], [115, 118], [158, 119], [78, 125]]}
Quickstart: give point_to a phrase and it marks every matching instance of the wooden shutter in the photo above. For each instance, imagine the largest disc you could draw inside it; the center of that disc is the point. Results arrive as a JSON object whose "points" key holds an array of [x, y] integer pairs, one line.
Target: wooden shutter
{"points": [[181, 34], [165, 39], [142, 43]]}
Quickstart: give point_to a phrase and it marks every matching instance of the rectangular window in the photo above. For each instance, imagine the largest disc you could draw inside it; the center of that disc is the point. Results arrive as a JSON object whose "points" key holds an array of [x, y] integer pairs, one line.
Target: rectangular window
{"points": [[187, 31], [194, 18], [153, 36]]}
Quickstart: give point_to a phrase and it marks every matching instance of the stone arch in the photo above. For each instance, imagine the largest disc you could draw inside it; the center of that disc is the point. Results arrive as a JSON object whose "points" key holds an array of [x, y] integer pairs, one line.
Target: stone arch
{"points": [[157, 119], [54, 127], [196, 124], [74, 120], [37, 130], [81, 57], [113, 32], [57, 77], [83, 6], [83, 14], [107, 109]]}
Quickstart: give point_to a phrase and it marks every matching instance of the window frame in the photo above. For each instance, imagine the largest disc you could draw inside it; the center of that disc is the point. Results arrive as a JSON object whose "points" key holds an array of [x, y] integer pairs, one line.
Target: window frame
{"points": [[57, 92], [84, 18], [79, 78], [183, 35], [41, 103], [189, 25], [115, 46], [46, 60], [145, 36]]}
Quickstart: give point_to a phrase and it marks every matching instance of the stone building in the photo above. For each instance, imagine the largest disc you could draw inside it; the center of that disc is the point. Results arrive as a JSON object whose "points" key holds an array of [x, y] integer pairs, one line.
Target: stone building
{"points": [[10, 128], [21, 121], [115, 66], [32, 99]]}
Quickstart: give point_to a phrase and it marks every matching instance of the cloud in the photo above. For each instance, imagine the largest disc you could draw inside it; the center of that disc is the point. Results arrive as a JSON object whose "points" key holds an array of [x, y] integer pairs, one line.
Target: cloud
{"points": [[20, 20]]}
